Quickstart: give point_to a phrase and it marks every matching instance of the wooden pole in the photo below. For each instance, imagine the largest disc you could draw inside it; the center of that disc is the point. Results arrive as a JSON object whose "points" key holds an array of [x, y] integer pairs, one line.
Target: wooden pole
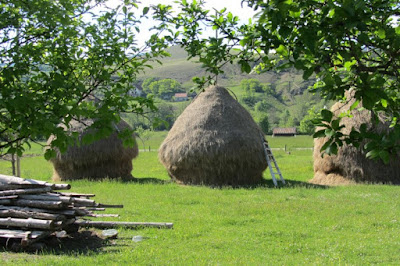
{"points": [[28, 223], [101, 224], [44, 197], [39, 204], [25, 191], [14, 213]]}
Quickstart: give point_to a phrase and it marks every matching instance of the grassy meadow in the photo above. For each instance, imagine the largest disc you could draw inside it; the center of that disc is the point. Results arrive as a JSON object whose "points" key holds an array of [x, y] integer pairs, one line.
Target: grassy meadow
{"points": [[294, 224]]}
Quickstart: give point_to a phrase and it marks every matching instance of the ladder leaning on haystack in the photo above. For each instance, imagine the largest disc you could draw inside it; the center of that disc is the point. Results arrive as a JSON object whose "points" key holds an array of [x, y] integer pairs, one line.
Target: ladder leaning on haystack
{"points": [[272, 164]]}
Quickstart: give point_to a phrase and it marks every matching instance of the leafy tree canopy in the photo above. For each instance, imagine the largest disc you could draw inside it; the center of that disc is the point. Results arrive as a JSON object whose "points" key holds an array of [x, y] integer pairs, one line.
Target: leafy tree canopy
{"points": [[57, 59], [345, 45]]}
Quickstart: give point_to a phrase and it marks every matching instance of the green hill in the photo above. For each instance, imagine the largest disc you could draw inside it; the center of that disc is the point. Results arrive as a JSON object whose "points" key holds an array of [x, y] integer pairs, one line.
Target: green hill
{"points": [[286, 106]]}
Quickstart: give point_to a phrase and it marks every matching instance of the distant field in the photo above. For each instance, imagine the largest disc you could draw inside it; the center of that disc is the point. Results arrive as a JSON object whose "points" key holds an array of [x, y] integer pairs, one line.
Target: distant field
{"points": [[301, 141]]}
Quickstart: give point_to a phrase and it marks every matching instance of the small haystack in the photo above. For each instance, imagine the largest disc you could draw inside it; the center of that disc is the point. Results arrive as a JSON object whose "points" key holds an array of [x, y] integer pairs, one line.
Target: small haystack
{"points": [[101, 159], [214, 142], [350, 166]]}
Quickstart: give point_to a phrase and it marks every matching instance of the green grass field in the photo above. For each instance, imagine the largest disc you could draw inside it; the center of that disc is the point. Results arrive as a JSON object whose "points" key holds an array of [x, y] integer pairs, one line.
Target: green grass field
{"points": [[295, 224]]}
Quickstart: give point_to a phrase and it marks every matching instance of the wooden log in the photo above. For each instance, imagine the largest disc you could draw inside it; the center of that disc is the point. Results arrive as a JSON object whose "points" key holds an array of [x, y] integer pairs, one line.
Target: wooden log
{"points": [[28, 223], [81, 212], [96, 209], [27, 237], [34, 236], [9, 197], [84, 202], [9, 233], [25, 191], [13, 180], [67, 212], [5, 201], [60, 186], [72, 194], [30, 214], [39, 204], [45, 197], [14, 187], [102, 224], [103, 215], [109, 206]]}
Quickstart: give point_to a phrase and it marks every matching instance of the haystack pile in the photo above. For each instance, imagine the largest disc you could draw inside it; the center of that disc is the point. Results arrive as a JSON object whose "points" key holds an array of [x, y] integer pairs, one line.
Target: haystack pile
{"points": [[103, 158], [214, 142], [350, 166]]}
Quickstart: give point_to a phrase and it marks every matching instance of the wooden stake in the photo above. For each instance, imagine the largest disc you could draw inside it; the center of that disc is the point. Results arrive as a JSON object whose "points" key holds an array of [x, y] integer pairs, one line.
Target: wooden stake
{"points": [[101, 224]]}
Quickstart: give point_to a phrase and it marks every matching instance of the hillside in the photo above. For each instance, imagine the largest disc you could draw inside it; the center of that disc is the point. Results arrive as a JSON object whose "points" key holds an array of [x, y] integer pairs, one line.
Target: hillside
{"points": [[286, 103]]}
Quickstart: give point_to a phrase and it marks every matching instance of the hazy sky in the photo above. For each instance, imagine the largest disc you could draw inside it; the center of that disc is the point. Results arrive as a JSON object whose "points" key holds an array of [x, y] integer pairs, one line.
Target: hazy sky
{"points": [[233, 6]]}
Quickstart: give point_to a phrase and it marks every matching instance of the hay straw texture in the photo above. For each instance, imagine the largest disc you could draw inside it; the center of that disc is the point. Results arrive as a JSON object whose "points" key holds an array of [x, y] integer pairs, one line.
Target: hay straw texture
{"points": [[350, 166], [105, 158], [215, 142]]}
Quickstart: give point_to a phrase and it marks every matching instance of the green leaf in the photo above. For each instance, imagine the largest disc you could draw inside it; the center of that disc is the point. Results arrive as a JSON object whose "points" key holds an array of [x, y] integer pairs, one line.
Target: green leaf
{"points": [[384, 155], [332, 149], [282, 50], [50, 153], [384, 103], [329, 132], [335, 124], [381, 33], [326, 145], [354, 105], [326, 115], [372, 154], [307, 73], [245, 66], [145, 10], [319, 134]]}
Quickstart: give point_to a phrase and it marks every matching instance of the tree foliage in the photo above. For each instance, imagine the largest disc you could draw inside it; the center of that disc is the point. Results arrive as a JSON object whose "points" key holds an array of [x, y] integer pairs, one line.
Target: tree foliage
{"points": [[307, 124], [345, 45], [163, 88], [57, 60], [251, 85]]}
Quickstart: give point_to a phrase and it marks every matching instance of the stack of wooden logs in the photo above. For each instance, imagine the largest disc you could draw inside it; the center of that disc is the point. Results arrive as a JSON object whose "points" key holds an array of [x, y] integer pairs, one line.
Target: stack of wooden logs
{"points": [[32, 209]]}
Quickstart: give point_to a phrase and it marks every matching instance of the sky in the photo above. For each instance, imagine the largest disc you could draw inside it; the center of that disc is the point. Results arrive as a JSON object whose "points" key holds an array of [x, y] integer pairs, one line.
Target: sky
{"points": [[233, 6]]}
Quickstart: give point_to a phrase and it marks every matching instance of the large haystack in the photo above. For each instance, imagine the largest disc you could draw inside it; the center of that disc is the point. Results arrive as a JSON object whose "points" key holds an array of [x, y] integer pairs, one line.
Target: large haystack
{"points": [[214, 142], [350, 166], [103, 158]]}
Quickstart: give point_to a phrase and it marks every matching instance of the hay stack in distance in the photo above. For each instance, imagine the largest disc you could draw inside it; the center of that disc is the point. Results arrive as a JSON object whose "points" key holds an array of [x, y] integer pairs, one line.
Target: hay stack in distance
{"points": [[105, 158], [350, 166], [215, 142]]}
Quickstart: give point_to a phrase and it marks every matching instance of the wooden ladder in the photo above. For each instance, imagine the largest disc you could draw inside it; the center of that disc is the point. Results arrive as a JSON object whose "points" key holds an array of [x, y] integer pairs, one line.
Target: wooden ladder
{"points": [[272, 165]]}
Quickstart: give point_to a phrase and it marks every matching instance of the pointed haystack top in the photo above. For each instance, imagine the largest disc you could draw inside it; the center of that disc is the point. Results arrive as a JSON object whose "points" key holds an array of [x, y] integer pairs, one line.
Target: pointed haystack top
{"points": [[215, 141]]}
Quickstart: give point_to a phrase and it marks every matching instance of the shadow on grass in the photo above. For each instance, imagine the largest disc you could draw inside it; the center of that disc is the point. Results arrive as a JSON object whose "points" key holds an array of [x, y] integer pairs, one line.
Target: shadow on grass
{"points": [[289, 184], [148, 180], [267, 183], [84, 242]]}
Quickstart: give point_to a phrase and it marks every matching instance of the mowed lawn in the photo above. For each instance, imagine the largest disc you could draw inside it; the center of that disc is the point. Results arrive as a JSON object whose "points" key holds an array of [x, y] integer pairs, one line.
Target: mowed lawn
{"points": [[294, 224]]}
